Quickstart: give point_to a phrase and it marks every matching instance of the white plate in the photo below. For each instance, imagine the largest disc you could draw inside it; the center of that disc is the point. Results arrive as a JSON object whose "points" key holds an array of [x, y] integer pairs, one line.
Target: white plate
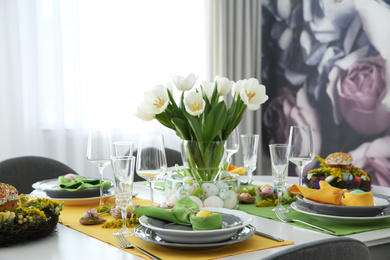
{"points": [[149, 235], [349, 211], [308, 210], [233, 221]]}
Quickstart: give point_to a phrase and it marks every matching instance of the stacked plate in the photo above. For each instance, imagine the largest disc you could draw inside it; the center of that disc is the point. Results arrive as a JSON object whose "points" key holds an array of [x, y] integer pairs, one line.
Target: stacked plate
{"points": [[350, 215], [50, 189], [235, 228]]}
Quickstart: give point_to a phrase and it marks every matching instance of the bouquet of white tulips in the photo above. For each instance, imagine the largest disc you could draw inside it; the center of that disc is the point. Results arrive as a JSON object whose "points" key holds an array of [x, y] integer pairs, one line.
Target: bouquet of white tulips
{"points": [[202, 115]]}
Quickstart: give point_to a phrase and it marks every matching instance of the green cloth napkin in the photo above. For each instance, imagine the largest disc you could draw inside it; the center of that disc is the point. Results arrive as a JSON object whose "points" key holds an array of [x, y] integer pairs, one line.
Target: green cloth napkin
{"points": [[183, 214], [341, 230], [80, 183]]}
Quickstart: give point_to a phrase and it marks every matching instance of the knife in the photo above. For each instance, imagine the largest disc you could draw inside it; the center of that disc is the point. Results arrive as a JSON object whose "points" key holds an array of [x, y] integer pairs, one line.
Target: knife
{"points": [[269, 236]]}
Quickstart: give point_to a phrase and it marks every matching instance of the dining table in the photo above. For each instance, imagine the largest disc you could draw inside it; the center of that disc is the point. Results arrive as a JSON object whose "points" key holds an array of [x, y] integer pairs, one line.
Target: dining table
{"points": [[68, 242]]}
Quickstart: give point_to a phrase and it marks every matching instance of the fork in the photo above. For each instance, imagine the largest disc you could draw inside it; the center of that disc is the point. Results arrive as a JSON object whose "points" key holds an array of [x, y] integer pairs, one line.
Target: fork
{"points": [[283, 218], [124, 243]]}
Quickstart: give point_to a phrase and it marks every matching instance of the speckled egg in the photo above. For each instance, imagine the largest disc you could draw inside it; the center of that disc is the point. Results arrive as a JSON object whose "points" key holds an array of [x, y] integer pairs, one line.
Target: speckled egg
{"points": [[329, 178], [189, 188], [223, 193], [357, 191], [181, 193], [209, 189], [222, 185], [197, 201], [213, 201], [268, 190], [231, 201], [188, 180], [265, 185]]}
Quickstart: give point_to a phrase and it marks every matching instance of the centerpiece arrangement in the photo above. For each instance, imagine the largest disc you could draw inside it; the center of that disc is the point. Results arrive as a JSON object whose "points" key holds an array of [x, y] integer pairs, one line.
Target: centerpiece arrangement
{"points": [[201, 118]]}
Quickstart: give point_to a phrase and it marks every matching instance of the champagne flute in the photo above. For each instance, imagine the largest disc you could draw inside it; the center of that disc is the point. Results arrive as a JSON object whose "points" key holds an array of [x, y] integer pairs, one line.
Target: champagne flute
{"points": [[232, 145], [302, 147], [279, 160], [249, 149], [123, 170], [151, 160], [98, 152]]}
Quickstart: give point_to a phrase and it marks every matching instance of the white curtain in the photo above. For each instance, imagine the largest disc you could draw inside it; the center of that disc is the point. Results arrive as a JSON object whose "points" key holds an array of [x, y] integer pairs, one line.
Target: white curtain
{"points": [[67, 65], [236, 54]]}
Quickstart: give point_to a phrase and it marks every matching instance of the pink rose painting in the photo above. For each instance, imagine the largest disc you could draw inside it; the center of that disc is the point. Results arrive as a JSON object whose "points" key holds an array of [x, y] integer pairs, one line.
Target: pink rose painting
{"points": [[327, 64]]}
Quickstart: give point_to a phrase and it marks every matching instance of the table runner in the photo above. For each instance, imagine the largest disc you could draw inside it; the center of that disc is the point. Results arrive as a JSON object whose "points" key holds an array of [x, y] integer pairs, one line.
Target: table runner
{"points": [[341, 230], [70, 217]]}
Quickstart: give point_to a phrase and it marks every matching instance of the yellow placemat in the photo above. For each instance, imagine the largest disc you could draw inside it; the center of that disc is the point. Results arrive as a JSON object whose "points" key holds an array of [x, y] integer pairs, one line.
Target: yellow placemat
{"points": [[70, 217]]}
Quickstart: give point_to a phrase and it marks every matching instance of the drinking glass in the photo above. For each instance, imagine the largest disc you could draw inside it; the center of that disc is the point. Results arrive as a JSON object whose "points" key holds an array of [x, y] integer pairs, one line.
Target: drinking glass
{"points": [[151, 160], [232, 145], [302, 147], [98, 152], [279, 160], [249, 149], [123, 148], [123, 171]]}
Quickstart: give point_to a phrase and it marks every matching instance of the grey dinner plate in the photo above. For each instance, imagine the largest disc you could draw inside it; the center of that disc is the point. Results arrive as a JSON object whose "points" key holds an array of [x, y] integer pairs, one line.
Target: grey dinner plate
{"points": [[149, 235]]}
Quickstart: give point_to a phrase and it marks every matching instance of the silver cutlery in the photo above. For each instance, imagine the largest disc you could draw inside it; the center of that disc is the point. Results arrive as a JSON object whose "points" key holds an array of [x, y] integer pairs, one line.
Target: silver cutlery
{"points": [[283, 218], [269, 236], [124, 243]]}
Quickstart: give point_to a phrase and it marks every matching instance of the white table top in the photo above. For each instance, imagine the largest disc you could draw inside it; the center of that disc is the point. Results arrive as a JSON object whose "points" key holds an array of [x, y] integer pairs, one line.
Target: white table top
{"points": [[70, 244]]}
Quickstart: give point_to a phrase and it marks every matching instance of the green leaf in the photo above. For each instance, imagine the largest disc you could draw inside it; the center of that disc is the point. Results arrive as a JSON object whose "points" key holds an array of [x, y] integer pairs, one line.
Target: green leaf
{"points": [[214, 122], [181, 128], [195, 126]]}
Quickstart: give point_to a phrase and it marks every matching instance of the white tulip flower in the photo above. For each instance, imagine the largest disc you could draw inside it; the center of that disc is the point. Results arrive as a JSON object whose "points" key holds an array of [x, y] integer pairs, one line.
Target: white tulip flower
{"points": [[143, 114], [208, 88], [185, 83], [236, 89], [194, 103], [224, 85], [253, 93], [156, 100]]}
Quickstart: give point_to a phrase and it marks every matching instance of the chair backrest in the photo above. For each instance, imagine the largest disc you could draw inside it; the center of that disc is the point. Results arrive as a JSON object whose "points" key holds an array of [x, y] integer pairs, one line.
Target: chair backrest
{"points": [[173, 158], [22, 172], [341, 248]]}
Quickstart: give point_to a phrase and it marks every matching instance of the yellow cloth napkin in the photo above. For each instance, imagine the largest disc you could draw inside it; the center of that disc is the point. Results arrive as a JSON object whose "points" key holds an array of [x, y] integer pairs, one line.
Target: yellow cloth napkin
{"points": [[70, 217], [234, 169], [331, 195]]}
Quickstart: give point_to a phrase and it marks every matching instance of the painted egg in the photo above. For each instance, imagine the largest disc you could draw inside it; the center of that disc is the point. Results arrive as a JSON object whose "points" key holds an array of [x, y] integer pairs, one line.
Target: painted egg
{"points": [[209, 189], [180, 193], [188, 180], [357, 179], [345, 176], [275, 189], [189, 188], [357, 191], [225, 175], [329, 178], [213, 201], [197, 201], [265, 185], [176, 185], [231, 201], [222, 185], [223, 193], [268, 190]]}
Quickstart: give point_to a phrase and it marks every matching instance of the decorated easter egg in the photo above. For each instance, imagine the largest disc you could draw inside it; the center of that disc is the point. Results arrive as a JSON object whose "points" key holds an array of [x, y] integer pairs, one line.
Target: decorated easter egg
{"points": [[329, 178], [357, 179], [268, 190], [209, 189], [188, 180], [225, 175], [223, 193], [213, 201], [231, 200], [222, 185], [197, 201], [180, 193], [275, 189], [189, 188], [357, 191], [263, 186]]}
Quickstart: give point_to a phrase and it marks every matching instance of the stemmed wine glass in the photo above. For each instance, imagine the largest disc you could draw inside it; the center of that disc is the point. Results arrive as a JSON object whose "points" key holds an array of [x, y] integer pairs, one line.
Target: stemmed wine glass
{"points": [[123, 170], [232, 145], [302, 147], [98, 152], [279, 160], [151, 160], [249, 149]]}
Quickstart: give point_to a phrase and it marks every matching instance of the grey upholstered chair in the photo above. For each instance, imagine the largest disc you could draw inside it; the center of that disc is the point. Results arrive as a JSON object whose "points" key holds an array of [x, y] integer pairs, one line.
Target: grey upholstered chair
{"points": [[22, 172], [173, 157], [340, 248]]}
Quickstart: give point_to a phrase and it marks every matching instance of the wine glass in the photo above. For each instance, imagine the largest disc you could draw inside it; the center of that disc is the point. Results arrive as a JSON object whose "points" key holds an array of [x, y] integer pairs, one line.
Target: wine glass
{"points": [[123, 171], [302, 147], [123, 148], [232, 145], [279, 160], [151, 160], [98, 152], [249, 149]]}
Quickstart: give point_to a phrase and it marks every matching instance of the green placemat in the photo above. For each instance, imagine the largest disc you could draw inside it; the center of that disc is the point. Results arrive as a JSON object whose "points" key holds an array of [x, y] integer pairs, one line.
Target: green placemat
{"points": [[341, 230]]}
